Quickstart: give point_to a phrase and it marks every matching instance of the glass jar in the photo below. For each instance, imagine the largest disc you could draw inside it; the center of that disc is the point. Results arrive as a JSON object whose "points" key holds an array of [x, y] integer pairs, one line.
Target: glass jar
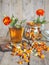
{"points": [[33, 32]]}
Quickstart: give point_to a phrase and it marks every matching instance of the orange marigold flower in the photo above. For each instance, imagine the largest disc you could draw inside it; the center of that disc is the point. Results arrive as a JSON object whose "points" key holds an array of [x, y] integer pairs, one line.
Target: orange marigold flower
{"points": [[20, 62], [42, 56], [47, 48], [40, 12], [6, 20]]}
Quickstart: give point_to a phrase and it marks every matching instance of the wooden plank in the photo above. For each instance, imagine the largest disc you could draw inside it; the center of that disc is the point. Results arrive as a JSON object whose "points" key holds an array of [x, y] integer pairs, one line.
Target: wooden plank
{"points": [[36, 60], [10, 60]]}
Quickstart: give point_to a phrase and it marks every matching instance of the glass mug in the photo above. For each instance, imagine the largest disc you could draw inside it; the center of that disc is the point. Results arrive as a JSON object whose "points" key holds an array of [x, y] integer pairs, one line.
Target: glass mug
{"points": [[16, 34]]}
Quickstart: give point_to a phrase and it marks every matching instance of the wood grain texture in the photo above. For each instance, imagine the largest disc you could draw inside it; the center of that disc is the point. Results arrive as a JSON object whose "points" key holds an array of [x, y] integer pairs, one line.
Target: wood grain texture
{"points": [[23, 9], [7, 59]]}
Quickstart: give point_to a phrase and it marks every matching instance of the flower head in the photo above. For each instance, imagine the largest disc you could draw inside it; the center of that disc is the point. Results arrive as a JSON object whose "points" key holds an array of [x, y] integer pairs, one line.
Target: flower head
{"points": [[6, 20], [40, 12]]}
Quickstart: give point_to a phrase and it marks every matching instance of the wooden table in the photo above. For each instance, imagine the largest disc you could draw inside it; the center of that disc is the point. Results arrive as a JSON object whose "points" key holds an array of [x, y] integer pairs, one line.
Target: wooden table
{"points": [[7, 59]]}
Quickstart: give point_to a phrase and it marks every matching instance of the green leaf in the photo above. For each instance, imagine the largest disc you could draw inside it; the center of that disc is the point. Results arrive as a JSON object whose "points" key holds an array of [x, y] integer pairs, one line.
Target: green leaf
{"points": [[44, 21], [14, 21], [22, 21], [12, 18]]}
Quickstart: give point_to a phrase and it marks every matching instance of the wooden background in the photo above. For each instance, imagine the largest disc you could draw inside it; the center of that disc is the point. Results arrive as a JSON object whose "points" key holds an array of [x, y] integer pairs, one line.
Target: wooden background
{"points": [[23, 9]]}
